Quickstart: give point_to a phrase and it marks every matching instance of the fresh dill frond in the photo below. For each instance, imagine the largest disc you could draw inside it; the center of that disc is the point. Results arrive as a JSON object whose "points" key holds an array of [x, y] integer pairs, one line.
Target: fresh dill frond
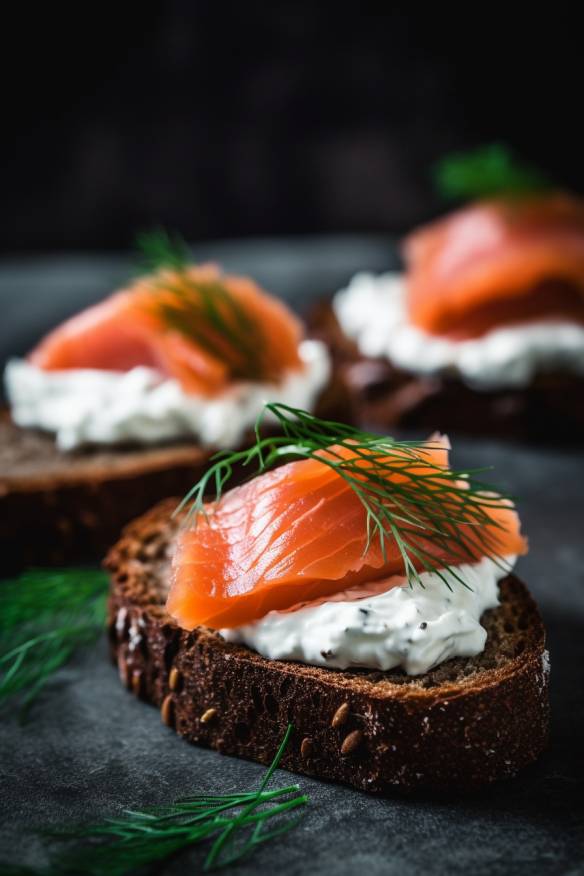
{"points": [[160, 250], [237, 823], [45, 617], [205, 312], [486, 172], [425, 509], [202, 310]]}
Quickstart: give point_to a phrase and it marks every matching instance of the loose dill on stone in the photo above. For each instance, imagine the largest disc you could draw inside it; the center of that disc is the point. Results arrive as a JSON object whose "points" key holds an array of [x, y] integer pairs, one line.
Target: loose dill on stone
{"points": [[203, 311], [236, 825], [489, 171], [46, 616], [421, 507]]}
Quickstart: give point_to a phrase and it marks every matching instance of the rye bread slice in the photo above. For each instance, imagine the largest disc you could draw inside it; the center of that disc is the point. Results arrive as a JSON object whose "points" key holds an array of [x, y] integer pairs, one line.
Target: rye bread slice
{"points": [[59, 507], [466, 723], [549, 411]]}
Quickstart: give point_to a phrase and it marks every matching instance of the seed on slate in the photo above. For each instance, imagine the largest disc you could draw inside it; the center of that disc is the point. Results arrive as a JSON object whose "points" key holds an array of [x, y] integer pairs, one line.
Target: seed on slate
{"points": [[208, 716], [123, 670], [137, 682], [351, 742], [340, 716], [306, 747], [174, 679], [167, 711]]}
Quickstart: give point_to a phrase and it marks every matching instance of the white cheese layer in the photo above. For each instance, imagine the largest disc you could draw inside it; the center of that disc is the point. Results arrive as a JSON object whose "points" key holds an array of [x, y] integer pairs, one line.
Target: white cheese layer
{"points": [[107, 407], [411, 627], [372, 311]]}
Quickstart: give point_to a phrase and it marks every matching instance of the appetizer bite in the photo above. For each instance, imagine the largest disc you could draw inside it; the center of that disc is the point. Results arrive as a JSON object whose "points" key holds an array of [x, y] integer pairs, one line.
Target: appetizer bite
{"points": [[358, 588], [484, 330], [117, 406]]}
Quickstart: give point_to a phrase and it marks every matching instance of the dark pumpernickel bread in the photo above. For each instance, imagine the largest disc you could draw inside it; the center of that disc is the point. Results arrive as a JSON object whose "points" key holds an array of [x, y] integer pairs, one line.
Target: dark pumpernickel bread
{"points": [[550, 410], [59, 507], [465, 723]]}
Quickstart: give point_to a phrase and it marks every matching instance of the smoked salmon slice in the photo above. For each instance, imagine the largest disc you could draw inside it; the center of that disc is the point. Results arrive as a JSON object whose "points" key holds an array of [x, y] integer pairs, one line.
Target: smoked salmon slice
{"points": [[198, 325], [299, 533], [498, 262]]}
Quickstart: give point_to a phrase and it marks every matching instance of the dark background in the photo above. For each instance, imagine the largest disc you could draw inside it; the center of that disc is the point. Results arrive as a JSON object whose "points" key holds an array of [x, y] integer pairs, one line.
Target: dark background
{"points": [[225, 119]]}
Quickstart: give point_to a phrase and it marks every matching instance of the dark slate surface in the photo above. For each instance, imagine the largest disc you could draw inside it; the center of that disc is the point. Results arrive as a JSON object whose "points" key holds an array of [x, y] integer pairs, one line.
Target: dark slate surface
{"points": [[91, 748]]}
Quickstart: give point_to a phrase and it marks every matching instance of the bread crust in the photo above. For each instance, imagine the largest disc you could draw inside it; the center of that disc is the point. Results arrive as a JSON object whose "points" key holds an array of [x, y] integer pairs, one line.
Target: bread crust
{"points": [[549, 411], [464, 724]]}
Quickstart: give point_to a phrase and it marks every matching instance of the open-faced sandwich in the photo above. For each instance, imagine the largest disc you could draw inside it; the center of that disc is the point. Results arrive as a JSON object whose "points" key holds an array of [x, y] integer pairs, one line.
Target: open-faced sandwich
{"points": [[362, 591], [483, 332], [116, 407]]}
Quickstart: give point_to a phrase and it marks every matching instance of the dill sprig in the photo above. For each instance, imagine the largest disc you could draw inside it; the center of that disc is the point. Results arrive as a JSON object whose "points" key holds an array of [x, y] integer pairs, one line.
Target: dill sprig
{"points": [[202, 310], [424, 509], [486, 172], [45, 616], [237, 823], [160, 250]]}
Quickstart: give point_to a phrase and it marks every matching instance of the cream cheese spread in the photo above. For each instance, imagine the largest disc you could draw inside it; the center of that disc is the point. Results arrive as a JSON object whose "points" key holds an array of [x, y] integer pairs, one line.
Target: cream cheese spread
{"points": [[409, 626], [372, 311], [85, 406]]}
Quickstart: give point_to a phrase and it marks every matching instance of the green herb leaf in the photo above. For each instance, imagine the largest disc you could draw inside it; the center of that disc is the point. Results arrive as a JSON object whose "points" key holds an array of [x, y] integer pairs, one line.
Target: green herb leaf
{"points": [[45, 617], [426, 511], [489, 171], [238, 823], [161, 250], [203, 311]]}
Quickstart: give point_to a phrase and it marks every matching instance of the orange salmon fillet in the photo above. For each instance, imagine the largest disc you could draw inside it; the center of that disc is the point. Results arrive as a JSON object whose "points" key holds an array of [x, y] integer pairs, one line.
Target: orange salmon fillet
{"points": [[296, 534], [129, 329], [498, 262]]}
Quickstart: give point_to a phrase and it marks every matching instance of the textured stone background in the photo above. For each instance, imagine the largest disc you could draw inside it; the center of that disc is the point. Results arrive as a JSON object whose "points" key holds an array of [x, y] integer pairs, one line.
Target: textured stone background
{"points": [[90, 748]]}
